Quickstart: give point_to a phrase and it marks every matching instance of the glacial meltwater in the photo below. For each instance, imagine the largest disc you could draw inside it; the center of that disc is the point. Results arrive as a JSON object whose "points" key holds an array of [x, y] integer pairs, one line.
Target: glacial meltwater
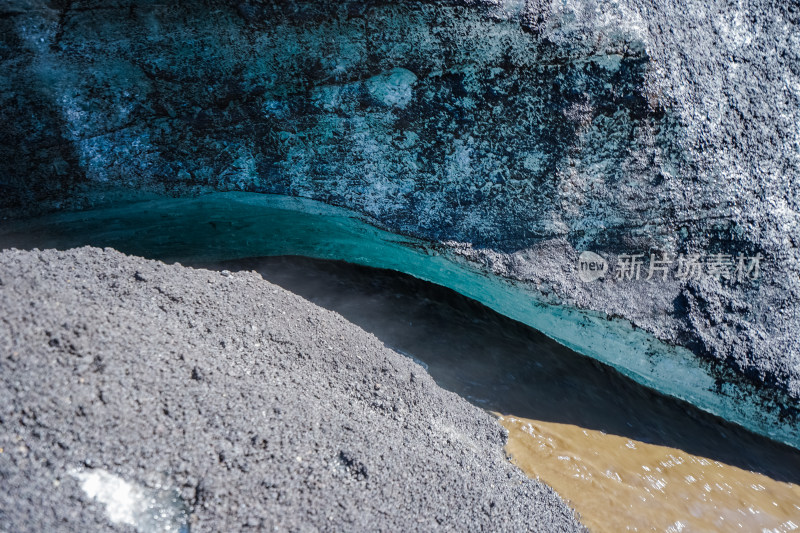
{"points": [[625, 457], [623, 431]]}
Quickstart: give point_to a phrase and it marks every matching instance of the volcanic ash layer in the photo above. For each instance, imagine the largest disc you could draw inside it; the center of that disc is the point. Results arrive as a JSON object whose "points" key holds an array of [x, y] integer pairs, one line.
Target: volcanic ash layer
{"points": [[258, 408]]}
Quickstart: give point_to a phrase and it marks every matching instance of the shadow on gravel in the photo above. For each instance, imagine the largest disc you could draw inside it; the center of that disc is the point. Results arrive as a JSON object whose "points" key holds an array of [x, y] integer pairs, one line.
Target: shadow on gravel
{"points": [[504, 366]]}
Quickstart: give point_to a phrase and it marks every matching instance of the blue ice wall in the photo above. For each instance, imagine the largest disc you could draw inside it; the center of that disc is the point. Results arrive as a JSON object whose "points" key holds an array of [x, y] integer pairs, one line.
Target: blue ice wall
{"points": [[237, 225]]}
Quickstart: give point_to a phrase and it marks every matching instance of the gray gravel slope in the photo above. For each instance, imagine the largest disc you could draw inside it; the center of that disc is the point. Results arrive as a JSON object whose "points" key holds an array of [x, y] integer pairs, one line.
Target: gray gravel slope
{"points": [[264, 411]]}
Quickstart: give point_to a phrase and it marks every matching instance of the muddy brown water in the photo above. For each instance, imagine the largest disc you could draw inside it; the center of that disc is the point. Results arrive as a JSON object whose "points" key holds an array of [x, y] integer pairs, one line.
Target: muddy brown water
{"points": [[626, 458]]}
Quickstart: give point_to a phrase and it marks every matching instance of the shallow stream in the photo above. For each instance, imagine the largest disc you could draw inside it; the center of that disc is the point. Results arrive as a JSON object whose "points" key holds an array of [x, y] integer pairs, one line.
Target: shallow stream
{"points": [[596, 426], [625, 457]]}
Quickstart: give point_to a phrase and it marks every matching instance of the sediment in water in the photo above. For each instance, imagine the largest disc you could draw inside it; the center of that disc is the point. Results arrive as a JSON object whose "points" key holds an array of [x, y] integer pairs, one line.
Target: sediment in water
{"points": [[626, 458]]}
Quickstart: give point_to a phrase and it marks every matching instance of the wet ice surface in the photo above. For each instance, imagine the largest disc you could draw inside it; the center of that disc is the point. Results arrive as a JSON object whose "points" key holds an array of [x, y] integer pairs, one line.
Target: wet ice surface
{"points": [[220, 226], [148, 510], [606, 443]]}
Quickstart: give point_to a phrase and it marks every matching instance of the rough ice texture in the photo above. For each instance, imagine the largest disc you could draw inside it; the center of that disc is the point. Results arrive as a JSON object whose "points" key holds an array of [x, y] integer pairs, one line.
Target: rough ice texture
{"points": [[264, 412], [521, 132]]}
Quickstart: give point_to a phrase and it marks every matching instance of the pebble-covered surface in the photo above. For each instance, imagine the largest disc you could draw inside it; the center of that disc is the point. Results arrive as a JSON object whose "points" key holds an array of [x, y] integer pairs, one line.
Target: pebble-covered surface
{"points": [[263, 411]]}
